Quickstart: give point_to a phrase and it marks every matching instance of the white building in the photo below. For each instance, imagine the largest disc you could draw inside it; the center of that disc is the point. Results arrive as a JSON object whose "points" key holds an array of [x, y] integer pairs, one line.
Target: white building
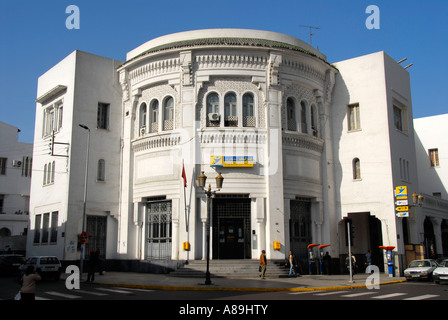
{"points": [[301, 144], [432, 151], [15, 180]]}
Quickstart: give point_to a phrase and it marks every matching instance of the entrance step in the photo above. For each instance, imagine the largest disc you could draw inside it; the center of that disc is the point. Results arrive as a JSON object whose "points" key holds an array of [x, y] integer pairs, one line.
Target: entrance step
{"points": [[230, 269]]}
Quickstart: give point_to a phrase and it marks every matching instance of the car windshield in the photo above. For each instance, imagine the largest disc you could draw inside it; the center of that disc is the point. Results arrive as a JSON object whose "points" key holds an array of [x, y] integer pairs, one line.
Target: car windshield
{"points": [[49, 260], [444, 263], [419, 263]]}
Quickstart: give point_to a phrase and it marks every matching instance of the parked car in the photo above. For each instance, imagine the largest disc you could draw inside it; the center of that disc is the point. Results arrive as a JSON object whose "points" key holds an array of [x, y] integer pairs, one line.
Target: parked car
{"points": [[440, 274], [10, 263], [46, 266], [420, 269]]}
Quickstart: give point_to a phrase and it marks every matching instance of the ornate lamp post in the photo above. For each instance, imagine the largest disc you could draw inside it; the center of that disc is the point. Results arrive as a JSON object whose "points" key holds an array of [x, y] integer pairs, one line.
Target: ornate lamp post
{"points": [[201, 182]]}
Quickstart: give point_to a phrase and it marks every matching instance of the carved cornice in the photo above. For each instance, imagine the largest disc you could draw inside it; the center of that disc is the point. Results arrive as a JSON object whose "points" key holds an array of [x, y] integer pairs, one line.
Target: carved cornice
{"points": [[156, 142], [233, 61], [302, 142], [155, 68]]}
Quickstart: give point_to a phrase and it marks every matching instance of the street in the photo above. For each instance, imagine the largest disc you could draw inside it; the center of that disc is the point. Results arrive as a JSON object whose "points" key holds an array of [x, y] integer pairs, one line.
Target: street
{"points": [[56, 290]]}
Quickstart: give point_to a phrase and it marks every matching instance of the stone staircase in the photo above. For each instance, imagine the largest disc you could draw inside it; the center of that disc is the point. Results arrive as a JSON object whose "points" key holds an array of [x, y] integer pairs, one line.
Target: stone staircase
{"points": [[230, 269]]}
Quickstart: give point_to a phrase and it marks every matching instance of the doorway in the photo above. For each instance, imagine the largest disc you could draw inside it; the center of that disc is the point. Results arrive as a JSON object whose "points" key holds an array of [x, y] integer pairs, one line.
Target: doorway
{"points": [[231, 227], [231, 238]]}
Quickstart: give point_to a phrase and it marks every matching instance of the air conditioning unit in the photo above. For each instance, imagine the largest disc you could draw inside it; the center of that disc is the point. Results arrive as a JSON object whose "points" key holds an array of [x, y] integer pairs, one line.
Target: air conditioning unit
{"points": [[16, 163], [213, 116]]}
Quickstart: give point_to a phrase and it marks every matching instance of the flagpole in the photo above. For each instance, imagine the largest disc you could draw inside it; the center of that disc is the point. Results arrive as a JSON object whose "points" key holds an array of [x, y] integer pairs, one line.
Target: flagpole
{"points": [[184, 176]]}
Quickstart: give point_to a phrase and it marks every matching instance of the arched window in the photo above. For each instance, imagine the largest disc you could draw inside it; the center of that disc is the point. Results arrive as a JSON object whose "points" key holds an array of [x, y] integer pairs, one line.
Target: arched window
{"points": [[168, 114], [52, 171], [154, 116], [291, 114], [142, 120], [356, 169], [248, 110], [101, 172], [230, 113], [213, 119], [303, 120], [314, 118]]}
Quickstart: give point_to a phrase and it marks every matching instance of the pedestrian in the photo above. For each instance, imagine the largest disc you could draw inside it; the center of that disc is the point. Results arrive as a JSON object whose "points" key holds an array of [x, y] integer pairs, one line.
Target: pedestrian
{"points": [[327, 262], [292, 264], [28, 289], [263, 264], [347, 262], [354, 264], [93, 264], [368, 261]]}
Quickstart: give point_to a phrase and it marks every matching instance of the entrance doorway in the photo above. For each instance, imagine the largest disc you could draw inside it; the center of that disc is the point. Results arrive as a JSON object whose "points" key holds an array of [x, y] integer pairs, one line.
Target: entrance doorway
{"points": [[231, 227], [231, 238]]}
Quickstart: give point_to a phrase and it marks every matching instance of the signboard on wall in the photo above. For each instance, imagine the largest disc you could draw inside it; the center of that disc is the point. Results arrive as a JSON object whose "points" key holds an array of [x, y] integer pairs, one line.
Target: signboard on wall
{"points": [[401, 201], [232, 161]]}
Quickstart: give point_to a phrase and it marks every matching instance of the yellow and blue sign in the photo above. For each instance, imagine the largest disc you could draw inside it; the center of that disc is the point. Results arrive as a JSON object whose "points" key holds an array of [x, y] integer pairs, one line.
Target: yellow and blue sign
{"points": [[401, 192], [401, 196], [232, 161]]}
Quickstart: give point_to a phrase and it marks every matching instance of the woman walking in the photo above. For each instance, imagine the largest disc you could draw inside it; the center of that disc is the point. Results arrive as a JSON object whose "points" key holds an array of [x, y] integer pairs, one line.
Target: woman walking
{"points": [[28, 290]]}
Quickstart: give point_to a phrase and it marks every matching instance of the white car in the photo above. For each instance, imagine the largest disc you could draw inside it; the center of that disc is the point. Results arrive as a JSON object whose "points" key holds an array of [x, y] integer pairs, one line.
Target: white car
{"points": [[420, 269], [44, 265], [440, 274]]}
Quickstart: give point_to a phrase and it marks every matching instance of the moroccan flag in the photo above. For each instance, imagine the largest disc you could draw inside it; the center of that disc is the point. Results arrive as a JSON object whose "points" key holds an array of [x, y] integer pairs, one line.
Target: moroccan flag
{"points": [[184, 176]]}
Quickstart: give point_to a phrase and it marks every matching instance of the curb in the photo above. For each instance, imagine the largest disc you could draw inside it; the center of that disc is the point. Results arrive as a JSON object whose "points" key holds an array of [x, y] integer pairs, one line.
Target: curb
{"points": [[207, 288]]}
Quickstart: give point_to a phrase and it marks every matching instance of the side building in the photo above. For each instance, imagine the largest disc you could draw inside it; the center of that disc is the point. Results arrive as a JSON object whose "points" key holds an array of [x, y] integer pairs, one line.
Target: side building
{"points": [[82, 89], [16, 161]]}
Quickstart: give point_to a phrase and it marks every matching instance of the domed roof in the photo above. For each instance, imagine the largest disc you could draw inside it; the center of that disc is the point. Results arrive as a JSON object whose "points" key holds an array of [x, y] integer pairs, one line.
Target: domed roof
{"points": [[224, 37]]}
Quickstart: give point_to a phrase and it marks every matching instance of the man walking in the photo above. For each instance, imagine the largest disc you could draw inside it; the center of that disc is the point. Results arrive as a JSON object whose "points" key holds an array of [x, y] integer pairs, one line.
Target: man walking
{"points": [[263, 264], [292, 264]]}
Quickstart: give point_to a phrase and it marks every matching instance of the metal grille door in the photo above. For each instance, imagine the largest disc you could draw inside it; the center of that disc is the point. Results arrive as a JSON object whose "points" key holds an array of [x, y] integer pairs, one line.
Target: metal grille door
{"points": [[158, 230], [300, 227], [97, 230]]}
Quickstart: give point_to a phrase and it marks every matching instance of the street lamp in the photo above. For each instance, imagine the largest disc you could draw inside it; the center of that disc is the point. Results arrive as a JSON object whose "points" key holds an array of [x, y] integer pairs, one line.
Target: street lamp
{"points": [[417, 199], [201, 182], [85, 197]]}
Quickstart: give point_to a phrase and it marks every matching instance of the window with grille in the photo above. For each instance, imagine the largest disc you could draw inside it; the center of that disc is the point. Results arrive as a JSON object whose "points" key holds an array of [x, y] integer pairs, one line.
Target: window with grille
{"points": [[158, 230]]}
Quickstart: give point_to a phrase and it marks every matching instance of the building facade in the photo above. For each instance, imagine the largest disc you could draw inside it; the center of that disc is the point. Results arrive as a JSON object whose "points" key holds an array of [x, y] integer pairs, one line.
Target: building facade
{"points": [[301, 145], [15, 179]]}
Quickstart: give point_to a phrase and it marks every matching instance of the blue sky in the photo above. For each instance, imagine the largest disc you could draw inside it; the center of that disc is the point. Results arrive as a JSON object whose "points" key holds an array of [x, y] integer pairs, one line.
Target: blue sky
{"points": [[34, 37]]}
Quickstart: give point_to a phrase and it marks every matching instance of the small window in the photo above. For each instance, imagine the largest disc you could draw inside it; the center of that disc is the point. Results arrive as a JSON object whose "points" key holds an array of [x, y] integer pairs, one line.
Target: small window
{"points": [[303, 120], [154, 116], [142, 119], [314, 117], [248, 110], [168, 114], [400, 116], [356, 169], [230, 113], [103, 116], [101, 170], [434, 157], [354, 122], [3, 165], [291, 114]]}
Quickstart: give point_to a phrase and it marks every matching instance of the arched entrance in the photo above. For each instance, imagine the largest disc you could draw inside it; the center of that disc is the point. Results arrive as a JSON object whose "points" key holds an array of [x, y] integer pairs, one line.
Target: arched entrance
{"points": [[429, 241], [444, 231], [366, 234]]}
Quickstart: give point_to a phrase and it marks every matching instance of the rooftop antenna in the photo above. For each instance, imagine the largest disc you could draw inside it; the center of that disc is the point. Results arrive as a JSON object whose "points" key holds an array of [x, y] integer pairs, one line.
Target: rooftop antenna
{"points": [[311, 32]]}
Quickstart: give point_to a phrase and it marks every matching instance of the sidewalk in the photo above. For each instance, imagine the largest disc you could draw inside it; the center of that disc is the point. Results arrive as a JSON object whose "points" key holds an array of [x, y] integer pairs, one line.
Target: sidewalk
{"points": [[303, 283]]}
